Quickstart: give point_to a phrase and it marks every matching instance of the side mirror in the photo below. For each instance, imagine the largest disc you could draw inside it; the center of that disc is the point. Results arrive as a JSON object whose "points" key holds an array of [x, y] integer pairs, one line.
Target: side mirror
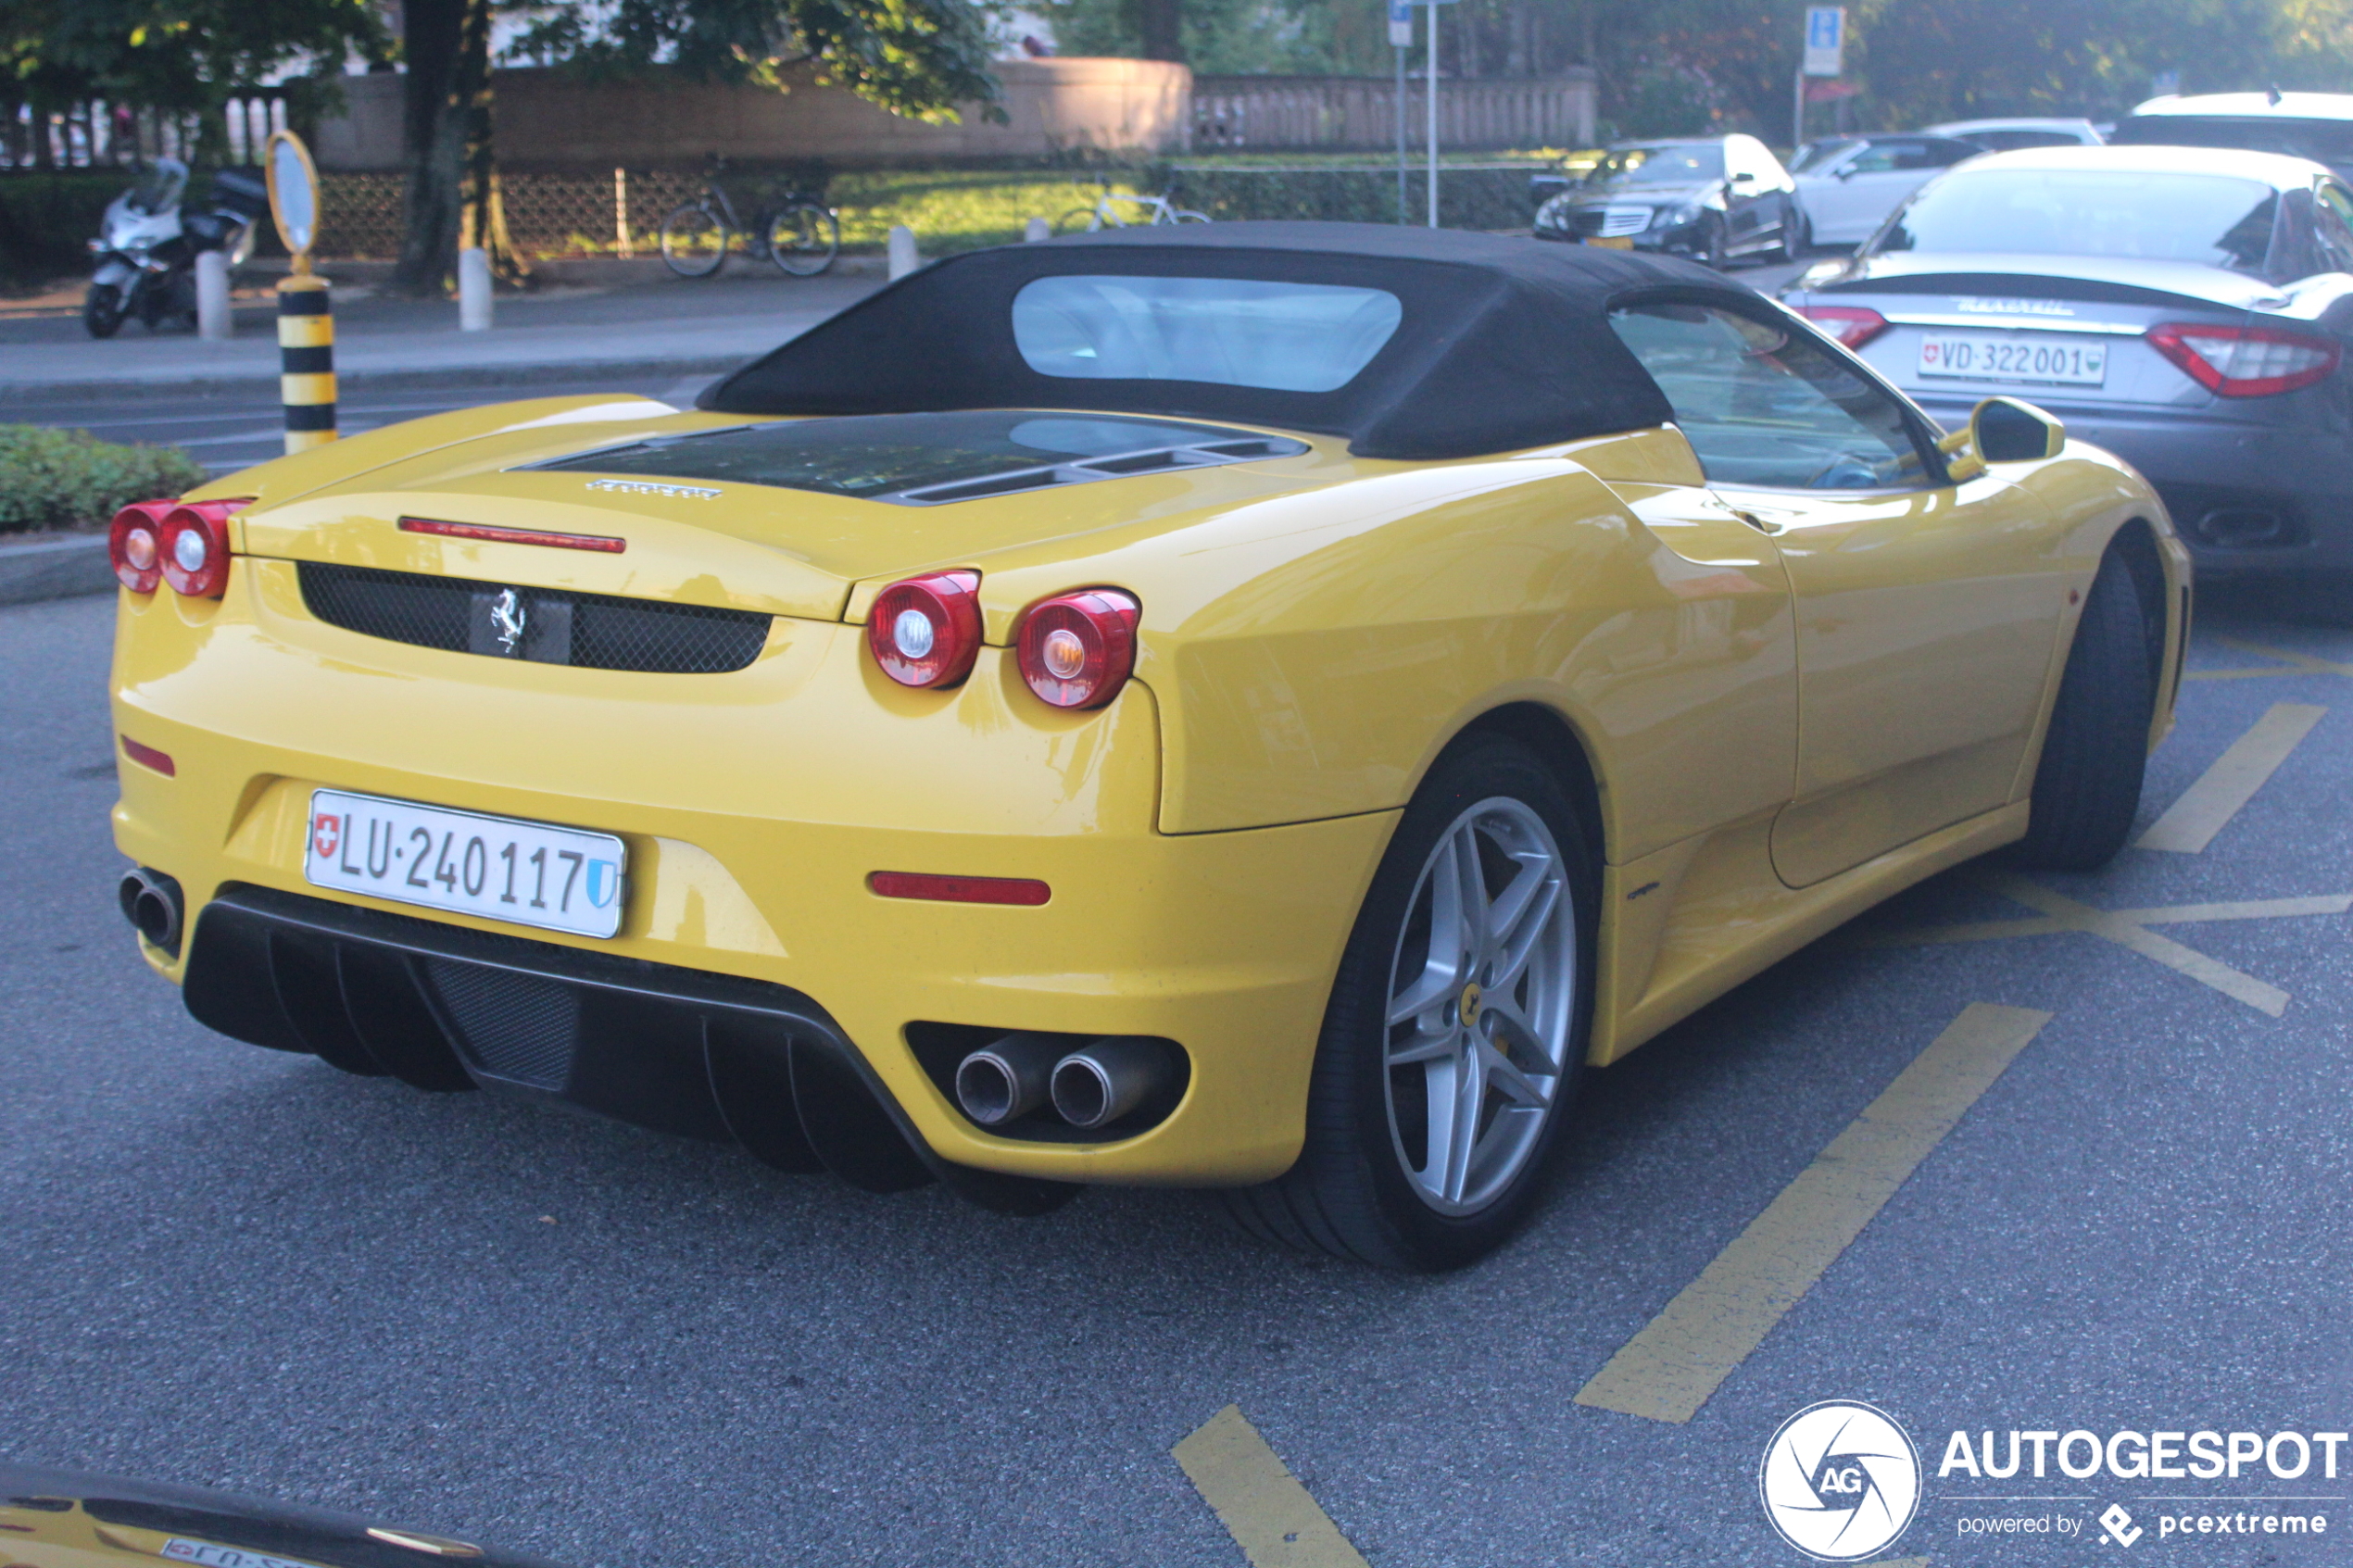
{"points": [[2007, 430], [1846, 173], [1961, 460]]}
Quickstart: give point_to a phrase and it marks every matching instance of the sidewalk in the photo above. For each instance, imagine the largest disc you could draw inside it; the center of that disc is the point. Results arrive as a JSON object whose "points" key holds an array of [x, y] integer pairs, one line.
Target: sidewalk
{"points": [[620, 320]]}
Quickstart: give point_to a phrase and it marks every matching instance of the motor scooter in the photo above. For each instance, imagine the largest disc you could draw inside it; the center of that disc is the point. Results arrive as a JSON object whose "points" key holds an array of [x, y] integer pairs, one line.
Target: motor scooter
{"points": [[146, 247]]}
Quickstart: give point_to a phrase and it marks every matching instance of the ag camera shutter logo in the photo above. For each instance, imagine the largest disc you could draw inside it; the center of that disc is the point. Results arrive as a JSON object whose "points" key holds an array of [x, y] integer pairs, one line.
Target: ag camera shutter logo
{"points": [[1841, 1481]]}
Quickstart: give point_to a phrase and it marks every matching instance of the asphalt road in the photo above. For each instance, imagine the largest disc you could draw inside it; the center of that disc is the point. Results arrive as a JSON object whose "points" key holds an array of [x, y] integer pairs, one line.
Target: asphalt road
{"points": [[232, 1268]]}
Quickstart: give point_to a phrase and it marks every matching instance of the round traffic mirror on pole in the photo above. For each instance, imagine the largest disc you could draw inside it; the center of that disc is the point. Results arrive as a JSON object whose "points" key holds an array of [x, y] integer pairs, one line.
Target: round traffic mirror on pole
{"points": [[306, 320]]}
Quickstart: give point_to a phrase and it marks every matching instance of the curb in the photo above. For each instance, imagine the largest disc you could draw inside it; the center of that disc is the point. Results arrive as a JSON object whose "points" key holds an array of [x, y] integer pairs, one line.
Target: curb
{"points": [[55, 568], [19, 392]]}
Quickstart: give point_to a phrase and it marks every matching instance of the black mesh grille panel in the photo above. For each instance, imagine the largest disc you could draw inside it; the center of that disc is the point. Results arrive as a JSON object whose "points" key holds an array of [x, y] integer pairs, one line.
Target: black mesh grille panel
{"points": [[589, 631], [519, 1027]]}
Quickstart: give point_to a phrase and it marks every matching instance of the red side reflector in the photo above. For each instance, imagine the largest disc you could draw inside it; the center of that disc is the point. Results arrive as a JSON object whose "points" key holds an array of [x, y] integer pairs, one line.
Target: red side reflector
{"points": [[149, 756], [598, 541], [959, 889]]}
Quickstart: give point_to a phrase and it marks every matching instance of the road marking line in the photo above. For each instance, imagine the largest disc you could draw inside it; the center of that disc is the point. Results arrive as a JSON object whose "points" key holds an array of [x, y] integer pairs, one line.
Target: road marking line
{"points": [[2207, 807], [1259, 1500], [2052, 925], [1668, 1370], [2306, 663], [2260, 994]]}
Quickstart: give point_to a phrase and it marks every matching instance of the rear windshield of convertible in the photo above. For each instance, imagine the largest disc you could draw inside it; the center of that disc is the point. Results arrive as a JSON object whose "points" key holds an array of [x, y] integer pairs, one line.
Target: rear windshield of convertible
{"points": [[1231, 332]]}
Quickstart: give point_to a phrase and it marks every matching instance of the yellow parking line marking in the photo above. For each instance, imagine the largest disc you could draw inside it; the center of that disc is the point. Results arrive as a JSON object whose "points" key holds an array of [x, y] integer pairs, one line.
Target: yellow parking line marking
{"points": [[2306, 663], [1261, 1502], [2052, 925], [1668, 1370], [2260, 994], [2291, 664], [2245, 908], [2207, 807]]}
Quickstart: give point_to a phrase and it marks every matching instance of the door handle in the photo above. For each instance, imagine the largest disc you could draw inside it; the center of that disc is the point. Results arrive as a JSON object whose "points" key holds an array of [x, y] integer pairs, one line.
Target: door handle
{"points": [[1757, 522]]}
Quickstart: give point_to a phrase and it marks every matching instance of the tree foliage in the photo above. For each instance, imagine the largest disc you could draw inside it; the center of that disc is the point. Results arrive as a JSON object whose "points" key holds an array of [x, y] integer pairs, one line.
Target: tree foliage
{"points": [[183, 56]]}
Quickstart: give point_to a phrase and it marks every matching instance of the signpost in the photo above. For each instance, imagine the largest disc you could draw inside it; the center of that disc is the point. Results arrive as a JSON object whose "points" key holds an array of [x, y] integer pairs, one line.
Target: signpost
{"points": [[1401, 38], [1825, 56], [1432, 97], [306, 321]]}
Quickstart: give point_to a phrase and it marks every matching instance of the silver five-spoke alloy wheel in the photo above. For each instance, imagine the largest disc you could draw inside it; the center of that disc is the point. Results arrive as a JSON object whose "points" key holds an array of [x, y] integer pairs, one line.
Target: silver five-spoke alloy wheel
{"points": [[1481, 1006]]}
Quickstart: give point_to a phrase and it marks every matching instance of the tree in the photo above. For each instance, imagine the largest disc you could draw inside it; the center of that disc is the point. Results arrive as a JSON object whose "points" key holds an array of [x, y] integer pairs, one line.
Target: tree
{"points": [[188, 57], [915, 57]]}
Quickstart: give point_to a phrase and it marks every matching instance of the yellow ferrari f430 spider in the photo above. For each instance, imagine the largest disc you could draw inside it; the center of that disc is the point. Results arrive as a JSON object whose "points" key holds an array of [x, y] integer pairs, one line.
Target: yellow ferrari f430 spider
{"points": [[1263, 707]]}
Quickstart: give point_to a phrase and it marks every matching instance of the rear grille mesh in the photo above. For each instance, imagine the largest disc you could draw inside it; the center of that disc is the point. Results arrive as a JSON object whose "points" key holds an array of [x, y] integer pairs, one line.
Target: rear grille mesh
{"points": [[519, 1027], [550, 626]]}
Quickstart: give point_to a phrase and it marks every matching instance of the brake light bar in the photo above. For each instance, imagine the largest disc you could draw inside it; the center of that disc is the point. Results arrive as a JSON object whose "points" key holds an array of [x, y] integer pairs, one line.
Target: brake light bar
{"points": [[2250, 361], [1017, 890], [603, 544]]}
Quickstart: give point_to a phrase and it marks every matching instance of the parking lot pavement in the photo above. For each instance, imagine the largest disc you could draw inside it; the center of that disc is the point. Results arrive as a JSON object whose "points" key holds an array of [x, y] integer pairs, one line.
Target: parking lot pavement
{"points": [[230, 1267]]}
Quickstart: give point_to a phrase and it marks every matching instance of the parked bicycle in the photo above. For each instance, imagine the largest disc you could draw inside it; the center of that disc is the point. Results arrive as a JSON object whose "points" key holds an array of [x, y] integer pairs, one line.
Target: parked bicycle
{"points": [[798, 231], [1139, 212]]}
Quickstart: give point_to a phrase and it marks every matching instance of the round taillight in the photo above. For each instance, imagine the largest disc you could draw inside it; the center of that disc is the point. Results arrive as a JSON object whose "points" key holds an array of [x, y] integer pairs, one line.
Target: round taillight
{"points": [[1076, 650], [194, 545], [134, 544], [926, 631]]}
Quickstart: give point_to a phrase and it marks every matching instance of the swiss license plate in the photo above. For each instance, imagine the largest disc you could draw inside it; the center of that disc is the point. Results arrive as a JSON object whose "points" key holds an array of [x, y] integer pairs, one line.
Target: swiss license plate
{"points": [[529, 874], [1611, 242], [2028, 356]]}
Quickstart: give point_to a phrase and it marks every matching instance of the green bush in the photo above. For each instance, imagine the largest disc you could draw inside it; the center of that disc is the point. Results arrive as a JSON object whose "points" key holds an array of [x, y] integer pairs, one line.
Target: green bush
{"points": [[46, 221], [66, 479], [1468, 198]]}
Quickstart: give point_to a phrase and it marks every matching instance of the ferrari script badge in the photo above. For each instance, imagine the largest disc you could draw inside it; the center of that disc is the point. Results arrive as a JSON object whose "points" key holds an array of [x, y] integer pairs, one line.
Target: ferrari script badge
{"points": [[507, 618], [647, 487]]}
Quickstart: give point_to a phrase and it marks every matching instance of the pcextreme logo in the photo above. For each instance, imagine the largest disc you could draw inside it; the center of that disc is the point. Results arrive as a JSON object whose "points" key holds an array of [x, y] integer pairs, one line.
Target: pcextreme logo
{"points": [[1840, 1481]]}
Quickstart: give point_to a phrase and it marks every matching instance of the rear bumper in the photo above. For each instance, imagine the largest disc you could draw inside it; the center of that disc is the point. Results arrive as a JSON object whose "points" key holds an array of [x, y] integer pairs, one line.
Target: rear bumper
{"points": [[2290, 487], [754, 806]]}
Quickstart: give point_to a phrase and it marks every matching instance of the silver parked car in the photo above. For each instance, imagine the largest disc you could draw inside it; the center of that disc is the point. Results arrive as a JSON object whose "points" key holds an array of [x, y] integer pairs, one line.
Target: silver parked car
{"points": [[2314, 125], [2186, 308], [1848, 186], [2009, 135]]}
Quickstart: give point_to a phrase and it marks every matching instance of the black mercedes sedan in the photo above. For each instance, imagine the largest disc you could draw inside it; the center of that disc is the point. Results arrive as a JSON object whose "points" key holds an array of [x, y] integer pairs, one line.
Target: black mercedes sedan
{"points": [[1712, 198], [2187, 308]]}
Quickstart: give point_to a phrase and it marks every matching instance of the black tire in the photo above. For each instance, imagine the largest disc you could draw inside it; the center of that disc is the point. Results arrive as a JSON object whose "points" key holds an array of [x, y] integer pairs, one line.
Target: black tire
{"points": [[102, 310], [694, 242], [1715, 251], [804, 239], [1079, 220], [2087, 786], [1797, 236], [1353, 1194]]}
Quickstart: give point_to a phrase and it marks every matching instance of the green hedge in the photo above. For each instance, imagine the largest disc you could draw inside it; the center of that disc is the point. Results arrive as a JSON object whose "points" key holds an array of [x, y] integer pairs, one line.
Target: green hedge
{"points": [[1468, 198], [67, 479], [46, 221]]}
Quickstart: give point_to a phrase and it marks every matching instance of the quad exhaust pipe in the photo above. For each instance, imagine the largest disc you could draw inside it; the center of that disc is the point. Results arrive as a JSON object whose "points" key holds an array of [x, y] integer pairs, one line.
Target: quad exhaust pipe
{"points": [[151, 902], [1089, 1087]]}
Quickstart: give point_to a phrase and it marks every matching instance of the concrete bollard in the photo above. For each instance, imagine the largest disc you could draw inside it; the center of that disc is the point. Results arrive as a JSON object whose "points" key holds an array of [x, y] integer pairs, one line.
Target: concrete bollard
{"points": [[1038, 229], [903, 258], [214, 323], [474, 290]]}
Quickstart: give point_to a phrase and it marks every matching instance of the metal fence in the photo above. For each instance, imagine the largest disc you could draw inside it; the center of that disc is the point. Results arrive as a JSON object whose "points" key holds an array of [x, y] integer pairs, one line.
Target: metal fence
{"points": [[1287, 113], [99, 134], [548, 215]]}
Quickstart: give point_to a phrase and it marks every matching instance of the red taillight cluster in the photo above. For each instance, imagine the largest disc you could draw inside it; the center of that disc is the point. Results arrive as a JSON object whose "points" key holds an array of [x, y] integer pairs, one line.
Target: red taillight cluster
{"points": [[1850, 324], [2246, 361], [182, 542], [1075, 650], [926, 632]]}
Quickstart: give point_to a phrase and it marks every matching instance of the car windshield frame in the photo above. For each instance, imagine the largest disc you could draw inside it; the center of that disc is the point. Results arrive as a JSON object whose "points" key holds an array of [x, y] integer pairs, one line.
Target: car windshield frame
{"points": [[1624, 166], [2241, 245]]}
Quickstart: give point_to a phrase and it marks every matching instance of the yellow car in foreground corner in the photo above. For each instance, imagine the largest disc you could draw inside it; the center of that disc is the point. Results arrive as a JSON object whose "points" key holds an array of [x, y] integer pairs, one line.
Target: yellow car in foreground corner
{"points": [[1263, 707]]}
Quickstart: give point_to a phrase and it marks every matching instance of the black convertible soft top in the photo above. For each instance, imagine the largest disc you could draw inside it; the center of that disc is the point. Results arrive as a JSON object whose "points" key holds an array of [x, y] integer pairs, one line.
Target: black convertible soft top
{"points": [[1502, 342]]}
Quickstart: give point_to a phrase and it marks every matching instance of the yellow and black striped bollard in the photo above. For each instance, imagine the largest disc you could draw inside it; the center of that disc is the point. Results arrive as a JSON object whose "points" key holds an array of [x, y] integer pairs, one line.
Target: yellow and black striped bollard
{"points": [[307, 361]]}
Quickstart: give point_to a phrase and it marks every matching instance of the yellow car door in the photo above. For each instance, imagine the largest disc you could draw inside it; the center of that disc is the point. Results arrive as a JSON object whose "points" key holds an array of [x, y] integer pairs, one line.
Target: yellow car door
{"points": [[1928, 613]]}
